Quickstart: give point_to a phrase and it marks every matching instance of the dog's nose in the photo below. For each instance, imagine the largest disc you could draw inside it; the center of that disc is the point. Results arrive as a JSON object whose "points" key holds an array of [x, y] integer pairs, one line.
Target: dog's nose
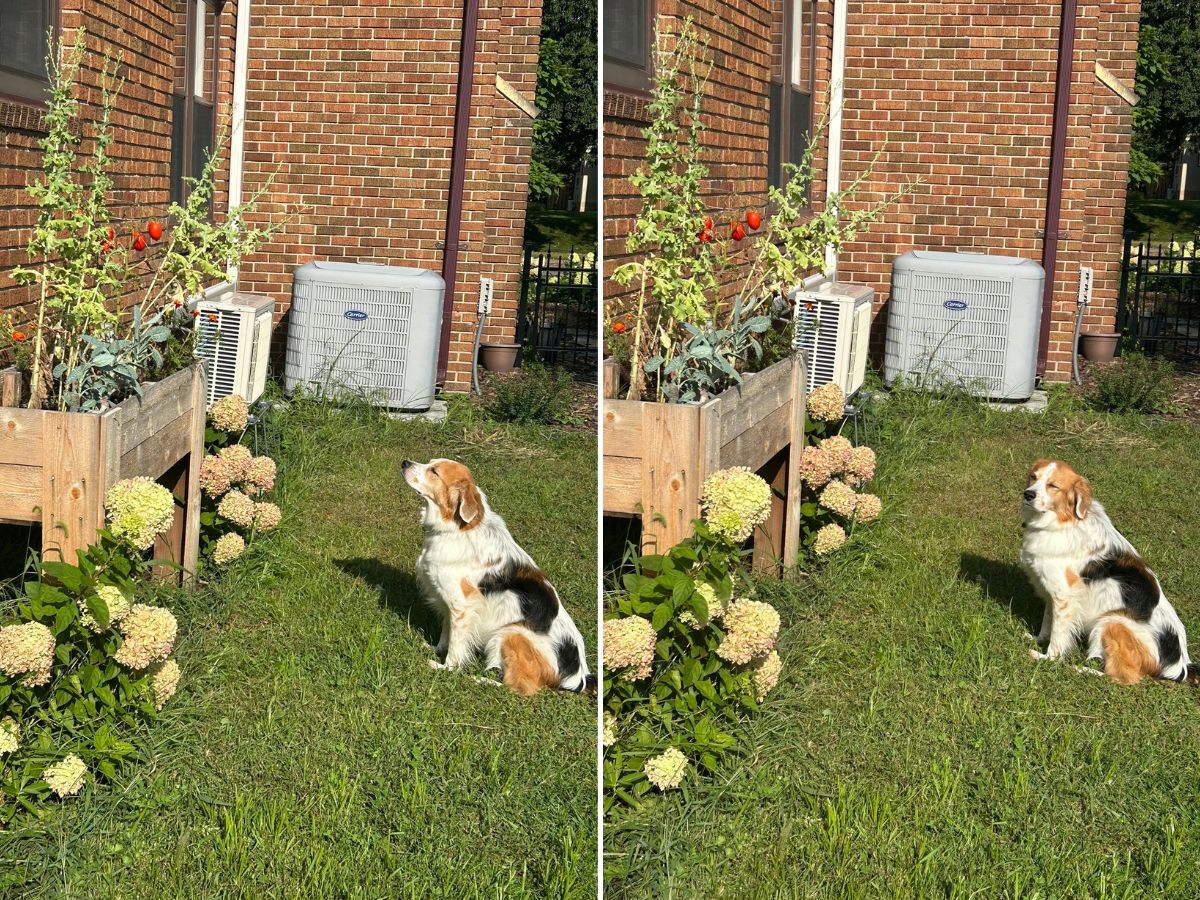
{"points": [[1030, 494], [404, 465]]}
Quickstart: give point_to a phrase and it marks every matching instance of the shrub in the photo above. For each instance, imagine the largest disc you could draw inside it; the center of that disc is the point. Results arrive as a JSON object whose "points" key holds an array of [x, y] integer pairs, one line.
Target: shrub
{"points": [[532, 394], [686, 657], [1134, 383]]}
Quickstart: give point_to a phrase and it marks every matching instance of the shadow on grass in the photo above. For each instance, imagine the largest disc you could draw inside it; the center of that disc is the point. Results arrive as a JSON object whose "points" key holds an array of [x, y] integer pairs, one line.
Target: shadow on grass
{"points": [[1007, 584], [398, 591]]}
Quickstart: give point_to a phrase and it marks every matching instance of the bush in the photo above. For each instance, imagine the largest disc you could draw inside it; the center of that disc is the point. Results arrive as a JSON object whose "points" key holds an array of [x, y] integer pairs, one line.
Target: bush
{"points": [[1134, 383], [532, 394]]}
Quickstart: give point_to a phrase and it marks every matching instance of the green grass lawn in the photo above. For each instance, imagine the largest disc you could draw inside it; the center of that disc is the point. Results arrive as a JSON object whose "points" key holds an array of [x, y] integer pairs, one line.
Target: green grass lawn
{"points": [[561, 230], [913, 748], [311, 752], [1160, 220]]}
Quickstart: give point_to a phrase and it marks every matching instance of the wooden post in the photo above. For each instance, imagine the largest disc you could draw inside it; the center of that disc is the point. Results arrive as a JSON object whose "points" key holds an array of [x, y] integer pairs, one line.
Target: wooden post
{"points": [[768, 538], [611, 378], [72, 487], [791, 535], [10, 387], [191, 528], [671, 479]]}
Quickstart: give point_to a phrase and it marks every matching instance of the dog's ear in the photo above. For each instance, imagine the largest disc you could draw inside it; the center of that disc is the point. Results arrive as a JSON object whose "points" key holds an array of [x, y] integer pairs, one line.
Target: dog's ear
{"points": [[470, 504], [1082, 492]]}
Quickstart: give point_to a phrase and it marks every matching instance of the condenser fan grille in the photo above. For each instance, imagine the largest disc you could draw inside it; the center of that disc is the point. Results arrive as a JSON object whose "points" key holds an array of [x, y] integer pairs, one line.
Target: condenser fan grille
{"points": [[960, 327], [363, 353], [218, 336]]}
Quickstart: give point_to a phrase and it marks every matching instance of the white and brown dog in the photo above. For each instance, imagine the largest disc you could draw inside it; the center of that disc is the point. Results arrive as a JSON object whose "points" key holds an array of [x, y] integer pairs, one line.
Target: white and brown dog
{"points": [[1095, 584], [491, 596]]}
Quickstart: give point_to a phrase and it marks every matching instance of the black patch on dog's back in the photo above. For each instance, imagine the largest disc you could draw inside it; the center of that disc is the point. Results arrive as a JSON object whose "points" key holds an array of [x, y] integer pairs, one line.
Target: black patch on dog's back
{"points": [[1139, 590], [1169, 650], [568, 657], [539, 603]]}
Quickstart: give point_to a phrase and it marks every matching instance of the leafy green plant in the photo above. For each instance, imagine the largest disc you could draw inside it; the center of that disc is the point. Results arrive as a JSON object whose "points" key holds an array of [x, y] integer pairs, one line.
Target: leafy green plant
{"points": [[1134, 383], [533, 394]]}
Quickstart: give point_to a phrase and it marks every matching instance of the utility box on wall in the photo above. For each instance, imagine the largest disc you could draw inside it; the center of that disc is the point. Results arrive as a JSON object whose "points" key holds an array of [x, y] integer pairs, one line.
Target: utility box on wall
{"points": [[969, 320], [365, 330]]}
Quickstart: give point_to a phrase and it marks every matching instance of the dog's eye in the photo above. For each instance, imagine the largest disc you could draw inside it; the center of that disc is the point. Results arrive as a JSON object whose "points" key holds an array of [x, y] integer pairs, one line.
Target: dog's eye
{"points": [[1053, 487]]}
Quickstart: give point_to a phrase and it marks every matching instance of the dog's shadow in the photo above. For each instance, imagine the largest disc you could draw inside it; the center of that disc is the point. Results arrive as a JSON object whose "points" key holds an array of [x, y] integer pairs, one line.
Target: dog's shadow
{"points": [[398, 592], [1007, 585]]}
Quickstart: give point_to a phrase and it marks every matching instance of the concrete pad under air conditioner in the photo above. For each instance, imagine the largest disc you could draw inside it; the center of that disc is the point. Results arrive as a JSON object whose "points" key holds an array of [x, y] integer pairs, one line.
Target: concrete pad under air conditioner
{"points": [[1037, 403], [435, 413]]}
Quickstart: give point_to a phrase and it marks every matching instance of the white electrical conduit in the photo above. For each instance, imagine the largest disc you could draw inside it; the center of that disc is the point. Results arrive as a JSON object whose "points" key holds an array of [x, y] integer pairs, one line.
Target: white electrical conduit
{"points": [[837, 75], [237, 125]]}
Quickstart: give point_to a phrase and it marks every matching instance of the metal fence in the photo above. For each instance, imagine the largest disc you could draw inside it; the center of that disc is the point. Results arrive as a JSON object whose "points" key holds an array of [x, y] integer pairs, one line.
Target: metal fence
{"points": [[1159, 304], [557, 319]]}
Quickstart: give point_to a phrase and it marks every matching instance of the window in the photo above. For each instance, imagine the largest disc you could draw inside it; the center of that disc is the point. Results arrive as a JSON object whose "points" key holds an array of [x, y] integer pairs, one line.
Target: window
{"points": [[24, 27], [628, 37], [791, 88], [193, 111]]}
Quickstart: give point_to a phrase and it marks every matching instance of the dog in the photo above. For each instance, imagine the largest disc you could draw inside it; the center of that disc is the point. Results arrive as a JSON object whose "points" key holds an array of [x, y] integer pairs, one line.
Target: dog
{"points": [[490, 595], [1095, 584]]}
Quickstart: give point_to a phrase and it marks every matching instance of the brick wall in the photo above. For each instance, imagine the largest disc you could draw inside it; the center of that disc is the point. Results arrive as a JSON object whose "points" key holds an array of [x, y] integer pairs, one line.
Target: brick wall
{"points": [[959, 95], [354, 105]]}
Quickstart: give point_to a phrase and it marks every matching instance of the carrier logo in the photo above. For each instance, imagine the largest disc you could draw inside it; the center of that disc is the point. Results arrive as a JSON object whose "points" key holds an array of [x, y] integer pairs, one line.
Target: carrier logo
{"points": [[357, 315], [956, 305]]}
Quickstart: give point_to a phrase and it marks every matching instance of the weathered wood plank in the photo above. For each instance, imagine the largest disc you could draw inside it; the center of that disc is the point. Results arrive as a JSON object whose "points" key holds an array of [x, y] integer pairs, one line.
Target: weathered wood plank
{"points": [[623, 423], [756, 446], [622, 485], [11, 385], [21, 436], [191, 530], [611, 379], [140, 418], [160, 451], [791, 534], [768, 537], [757, 397], [20, 493], [73, 495], [671, 476], [169, 544]]}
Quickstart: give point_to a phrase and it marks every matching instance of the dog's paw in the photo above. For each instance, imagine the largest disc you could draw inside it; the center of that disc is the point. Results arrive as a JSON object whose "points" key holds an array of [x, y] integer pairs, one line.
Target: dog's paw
{"points": [[437, 665], [1038, 654], [1088, 670]]}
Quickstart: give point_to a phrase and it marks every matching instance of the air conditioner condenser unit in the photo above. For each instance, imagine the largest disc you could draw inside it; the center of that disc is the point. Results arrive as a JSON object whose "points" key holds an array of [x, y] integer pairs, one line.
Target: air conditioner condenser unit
{"points": [[233, 332], [833, 328]]}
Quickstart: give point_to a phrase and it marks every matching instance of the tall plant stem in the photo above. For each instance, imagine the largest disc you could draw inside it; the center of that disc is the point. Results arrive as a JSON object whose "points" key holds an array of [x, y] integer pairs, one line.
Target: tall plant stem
{"points": [[635, 367], [36, 376]]}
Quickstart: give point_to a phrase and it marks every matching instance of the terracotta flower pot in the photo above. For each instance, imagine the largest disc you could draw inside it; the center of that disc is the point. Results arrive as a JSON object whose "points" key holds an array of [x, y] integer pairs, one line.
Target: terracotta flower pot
{"points": [[1099, 347], [499, 357]]}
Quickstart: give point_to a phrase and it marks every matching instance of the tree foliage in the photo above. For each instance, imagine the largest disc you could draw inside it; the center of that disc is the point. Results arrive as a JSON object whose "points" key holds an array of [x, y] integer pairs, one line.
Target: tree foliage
{"points": [[564, 133], [1168, 86]]}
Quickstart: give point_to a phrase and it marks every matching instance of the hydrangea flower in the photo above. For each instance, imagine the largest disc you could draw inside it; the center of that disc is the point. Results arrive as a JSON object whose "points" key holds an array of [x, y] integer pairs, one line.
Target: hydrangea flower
{"points": [[840, 451], [66, 778], [867, 507], [829, 539], [238, 458], [237, 508], [164, 679], [827, 403], [260, 475], [751, 627], [765, 675], [114, 599], [610, 730], [862, 463], [27, 650], [139, 510], [229, 413], [629, 644], [266, 517], [734, 502], [716, 608], [816, 467], [10, 735], [149, 636], [666, 770], [839, 498], [216, 475], [228, 548]]}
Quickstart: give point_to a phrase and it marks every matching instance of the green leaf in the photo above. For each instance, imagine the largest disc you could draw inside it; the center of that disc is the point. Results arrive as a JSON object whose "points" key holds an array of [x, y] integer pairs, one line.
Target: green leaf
{"points": [[662, 615]]}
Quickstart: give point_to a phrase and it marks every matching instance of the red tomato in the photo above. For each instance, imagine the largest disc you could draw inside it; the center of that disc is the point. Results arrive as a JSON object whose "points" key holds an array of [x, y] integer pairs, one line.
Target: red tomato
{"points": [[139, 241], [738, 232], [708, 223], [110, 234], [753, 219], [106, 247], [155, 230], [619, 327], [706, 237]]}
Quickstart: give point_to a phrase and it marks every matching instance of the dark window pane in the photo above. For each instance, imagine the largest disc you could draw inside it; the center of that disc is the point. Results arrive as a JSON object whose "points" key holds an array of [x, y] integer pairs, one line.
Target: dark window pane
{"points": [[24, 25], [203, 119], [178, 111], [775, 136], [800, 113], [625, 37]]}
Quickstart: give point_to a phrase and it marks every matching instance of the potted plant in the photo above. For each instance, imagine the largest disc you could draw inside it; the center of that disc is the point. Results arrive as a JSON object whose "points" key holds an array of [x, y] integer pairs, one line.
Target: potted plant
{"points": [[499, 357], [102, 383], [1099, 346], [711, 380]]}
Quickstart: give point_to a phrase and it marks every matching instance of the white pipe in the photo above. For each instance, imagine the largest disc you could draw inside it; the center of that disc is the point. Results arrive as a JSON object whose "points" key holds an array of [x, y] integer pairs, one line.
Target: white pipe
{"points": [[1183, 182], [837, 76], [237, 127]]}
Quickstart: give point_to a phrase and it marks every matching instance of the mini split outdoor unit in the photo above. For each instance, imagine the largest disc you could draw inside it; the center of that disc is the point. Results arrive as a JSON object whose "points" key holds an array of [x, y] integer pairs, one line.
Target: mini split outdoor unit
{"points": [[965, 319], [365, 330], [233, 332], [833, 328]]}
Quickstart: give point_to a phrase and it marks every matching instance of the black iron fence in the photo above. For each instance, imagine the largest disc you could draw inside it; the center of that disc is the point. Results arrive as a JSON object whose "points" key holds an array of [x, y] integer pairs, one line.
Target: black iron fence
{"points": [[1159, 305], [557, 318]]}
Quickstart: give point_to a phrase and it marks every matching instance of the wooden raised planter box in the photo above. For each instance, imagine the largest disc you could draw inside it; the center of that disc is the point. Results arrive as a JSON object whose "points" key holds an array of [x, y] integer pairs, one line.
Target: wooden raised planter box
{"points": [[657, 455], [55, 467]]}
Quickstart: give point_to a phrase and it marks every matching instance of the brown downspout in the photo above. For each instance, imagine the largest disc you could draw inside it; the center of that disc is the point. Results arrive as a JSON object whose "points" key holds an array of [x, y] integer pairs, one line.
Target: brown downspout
{"points": [[1058, 152], [458, 170]]}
